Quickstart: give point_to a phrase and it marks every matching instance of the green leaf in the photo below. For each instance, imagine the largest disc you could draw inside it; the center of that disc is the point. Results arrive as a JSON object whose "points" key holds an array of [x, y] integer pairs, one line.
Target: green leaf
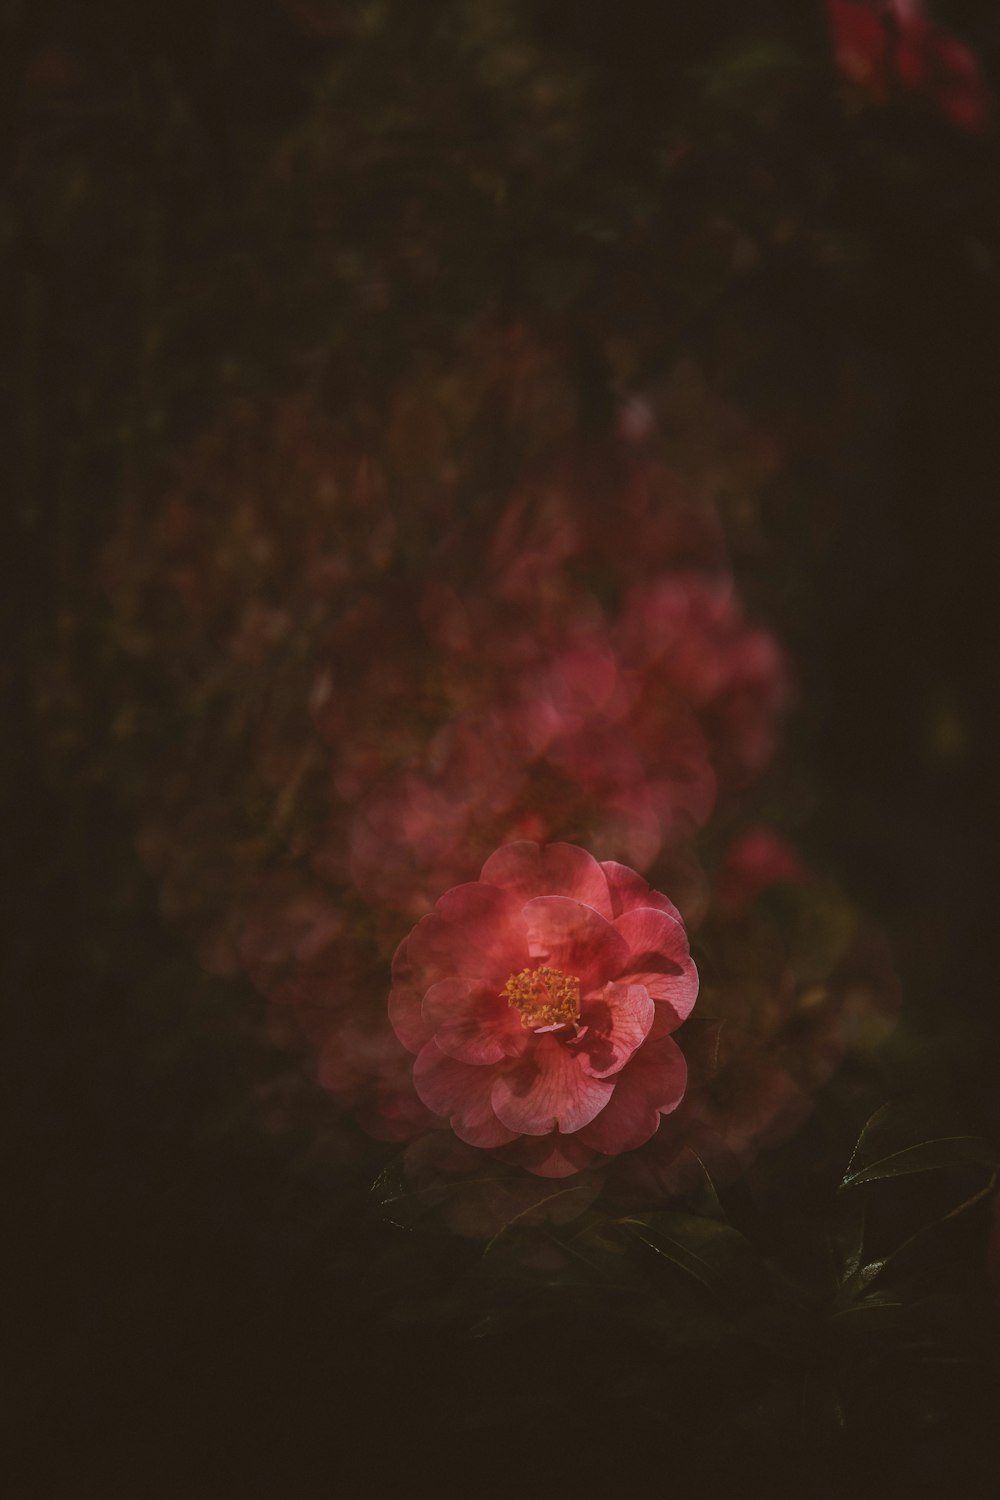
{"points": [[848, 1239], [395, 1201], [858, 1283], [412, 1207], [917, 1243], [710, 1253], [570, 1194], [705, 1199], [870, 1315], [942, 1154], [894, 1144]]}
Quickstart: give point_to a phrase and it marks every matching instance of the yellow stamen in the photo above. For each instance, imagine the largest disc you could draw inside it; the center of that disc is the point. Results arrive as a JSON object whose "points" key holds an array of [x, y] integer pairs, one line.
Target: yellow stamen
{"points": [[545, 997]]}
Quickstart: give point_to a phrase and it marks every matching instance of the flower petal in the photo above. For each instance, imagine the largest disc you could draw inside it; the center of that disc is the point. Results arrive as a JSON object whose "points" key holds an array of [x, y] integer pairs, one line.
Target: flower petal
{"points": [[575, 939], [472, 1023], [628, 890], [650, 1085], [659, 958], [548, 1090], [616, 1022], [526, 870], [407, 1018], [474, 932], [556, 1156], [460, 1092]]}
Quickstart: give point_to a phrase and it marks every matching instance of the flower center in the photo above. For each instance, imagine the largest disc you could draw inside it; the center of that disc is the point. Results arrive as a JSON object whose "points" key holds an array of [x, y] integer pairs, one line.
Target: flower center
{"points": [[546, 998]]}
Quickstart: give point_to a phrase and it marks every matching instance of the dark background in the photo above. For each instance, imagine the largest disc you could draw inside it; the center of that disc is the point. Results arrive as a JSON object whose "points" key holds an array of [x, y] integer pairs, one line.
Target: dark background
{"points": [[198, 1309]]}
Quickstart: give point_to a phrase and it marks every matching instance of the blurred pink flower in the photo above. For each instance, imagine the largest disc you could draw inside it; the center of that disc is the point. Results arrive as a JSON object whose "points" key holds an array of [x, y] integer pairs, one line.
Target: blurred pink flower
{"points": [[757, 860], [686, 634], [787, 1000], [879, 44], [424, 828], [589, 512], [507, 774], [540, 1002], [543, 740]]}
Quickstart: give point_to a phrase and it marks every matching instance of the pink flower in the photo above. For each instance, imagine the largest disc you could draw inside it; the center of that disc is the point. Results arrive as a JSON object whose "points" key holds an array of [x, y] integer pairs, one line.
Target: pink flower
{"points": [[534, 739], [861, 45], [757, 860], [685, 633], [602, 508], [540, 1001], [882, 43], [482, 781]]}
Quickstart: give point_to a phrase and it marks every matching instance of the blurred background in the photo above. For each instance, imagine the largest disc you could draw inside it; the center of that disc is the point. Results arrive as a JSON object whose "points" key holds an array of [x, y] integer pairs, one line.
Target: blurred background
{"points": [[773, 227]]}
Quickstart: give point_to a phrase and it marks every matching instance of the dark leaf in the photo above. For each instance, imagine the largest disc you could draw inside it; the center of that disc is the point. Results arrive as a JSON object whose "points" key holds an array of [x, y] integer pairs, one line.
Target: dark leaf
{"points": [[848, 1239], [858, 1282], [917, 1249], [411, 1207], [710, 1253], [871, 1315], [894, 1144], [705, 1200]]}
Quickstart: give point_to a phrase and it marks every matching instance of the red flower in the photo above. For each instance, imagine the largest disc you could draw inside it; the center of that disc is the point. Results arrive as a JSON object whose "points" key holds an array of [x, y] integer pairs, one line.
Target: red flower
{"points": [[540, 1001], [590, 512], [757, 860], [684, 633], [882, 43], [483, 781]]}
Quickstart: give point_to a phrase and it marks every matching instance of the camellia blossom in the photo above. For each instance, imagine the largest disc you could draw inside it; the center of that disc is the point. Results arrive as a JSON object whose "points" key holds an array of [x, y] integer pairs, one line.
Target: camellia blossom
{"points": [[687, 633], [480, 783], [540, 1001], [759, 859], [585, 513], [880, 44]]}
